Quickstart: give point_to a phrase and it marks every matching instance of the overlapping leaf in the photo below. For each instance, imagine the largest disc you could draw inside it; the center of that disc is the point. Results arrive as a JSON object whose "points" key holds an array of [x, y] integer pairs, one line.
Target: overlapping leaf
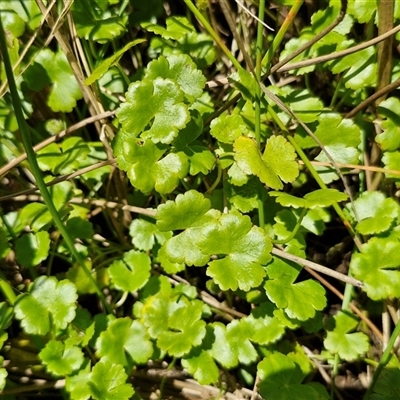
{"points": [[317, 198], [191, 212], [53, 69], [125, 341], [277, 164], [339, 340], [145, 167], [61, 359], [144, 234], [242, 249], [94, 20], [281, 379], [154, 109], [375, 213], [299, 300], [180, 69], [377, 266]]}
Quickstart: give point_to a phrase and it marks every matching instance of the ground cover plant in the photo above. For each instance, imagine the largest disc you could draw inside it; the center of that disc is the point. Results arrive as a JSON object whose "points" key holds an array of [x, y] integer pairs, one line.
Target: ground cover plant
{"points": [[199, 199]]}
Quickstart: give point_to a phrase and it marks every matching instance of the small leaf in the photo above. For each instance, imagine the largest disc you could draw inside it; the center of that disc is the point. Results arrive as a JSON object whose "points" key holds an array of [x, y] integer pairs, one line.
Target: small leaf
{"points": [[377, 266], [349, 346], [227, 128], [199, 361], [145, 234], [299, 300], [263, 326], [155, 103], [375, 213], [94, 20], [32, 248], [132, 272], [61, 359], [186, 330], [164, 174], [48, 303], [317, 198], [389, 139], [123, 342], [186, 211], [180, 69], [110, 61], [56, 70], [278, 160], [280, 379], [108, 382]]}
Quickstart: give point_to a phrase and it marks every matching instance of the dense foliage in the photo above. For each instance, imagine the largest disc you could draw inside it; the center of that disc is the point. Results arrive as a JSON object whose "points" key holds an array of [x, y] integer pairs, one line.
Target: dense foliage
{"points": [[210, 204]]}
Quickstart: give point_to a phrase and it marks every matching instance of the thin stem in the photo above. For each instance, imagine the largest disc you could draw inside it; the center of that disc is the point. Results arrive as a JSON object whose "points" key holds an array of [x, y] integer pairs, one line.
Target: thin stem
{"points": [[212, 33], [26, 140], [386, 356], [294, 230], [257, 112], [281, 33]]}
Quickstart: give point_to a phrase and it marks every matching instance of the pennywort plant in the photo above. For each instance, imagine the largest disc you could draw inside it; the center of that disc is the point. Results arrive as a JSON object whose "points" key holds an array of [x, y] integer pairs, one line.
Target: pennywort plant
{"points": [[197, 193]]}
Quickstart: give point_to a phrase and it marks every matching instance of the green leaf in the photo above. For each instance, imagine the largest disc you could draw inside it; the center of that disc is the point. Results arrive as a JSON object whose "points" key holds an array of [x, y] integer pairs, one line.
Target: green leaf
{"points": [[242, 249], [95, 21], [199, 361], [32, 248], [389, 139], [180, 69], [110, 61], [221, 349], [275, 165], [280, 379], [145, 234], [56, 71], [108, 382], [154, 109], [391, 160], [387, 387], [125, 341], [238, 338], [186, 330], [132, 272], [360, 67], [263, 326], [145, 169], [245, 197], [82, 282], [200, 159], [3, 375], [317, 198], [227, 128], [49, 303], [77, 385], [187, 210], [349, 346], [299, 300], [375, 213], [61, 359], [79, 228], [377, 266], [363, 11]]}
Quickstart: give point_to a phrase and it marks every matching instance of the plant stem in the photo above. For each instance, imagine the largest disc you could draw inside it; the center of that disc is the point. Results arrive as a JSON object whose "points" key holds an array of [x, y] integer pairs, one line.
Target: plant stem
{"points": [[259, 48], [212, 33], [26, 140]]}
